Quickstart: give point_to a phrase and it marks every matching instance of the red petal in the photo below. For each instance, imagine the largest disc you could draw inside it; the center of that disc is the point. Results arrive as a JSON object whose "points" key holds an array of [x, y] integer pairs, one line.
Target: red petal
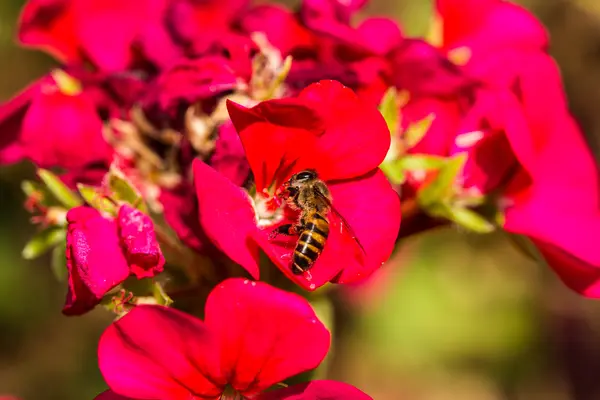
{"points": [[287, 141], [94, 259], [266, 334], [156, 352], [50, 25], [577, 274], [229, 158], [282, 28], [63, 130], [328, 128], [316, 390], [12, 114], [142, 250], [356, 138], [372, 209], [227, 216]]}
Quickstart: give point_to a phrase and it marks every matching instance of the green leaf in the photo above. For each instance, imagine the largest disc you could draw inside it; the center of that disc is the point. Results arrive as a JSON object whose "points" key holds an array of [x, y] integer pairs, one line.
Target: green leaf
{"points": [[441, 188], [161, 297], [389, 109], [37, 190], [96, 199], [416, 131], [59, 261], [393, 172], [123, 190], [43, 242], [469, 219], [59, 190]]}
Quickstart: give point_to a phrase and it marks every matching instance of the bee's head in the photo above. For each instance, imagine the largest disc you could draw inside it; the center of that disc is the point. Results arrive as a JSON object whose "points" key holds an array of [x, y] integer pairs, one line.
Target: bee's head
{"points": [[303, 176]]}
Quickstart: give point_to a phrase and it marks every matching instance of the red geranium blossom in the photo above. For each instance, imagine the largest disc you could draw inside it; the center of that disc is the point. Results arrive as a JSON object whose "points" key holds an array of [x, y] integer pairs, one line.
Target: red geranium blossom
{"points": [[101, 253], [253, 337], [525, 136], [328, 129]]}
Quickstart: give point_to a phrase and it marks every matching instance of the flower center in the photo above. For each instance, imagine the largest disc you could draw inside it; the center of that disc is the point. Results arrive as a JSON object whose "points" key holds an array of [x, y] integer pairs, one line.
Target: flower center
{"points": [[269, 211], [231, 394]]}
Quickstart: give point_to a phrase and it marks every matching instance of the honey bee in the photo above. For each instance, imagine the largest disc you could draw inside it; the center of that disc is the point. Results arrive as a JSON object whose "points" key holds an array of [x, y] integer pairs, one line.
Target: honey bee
{"points": [[306, 193]]}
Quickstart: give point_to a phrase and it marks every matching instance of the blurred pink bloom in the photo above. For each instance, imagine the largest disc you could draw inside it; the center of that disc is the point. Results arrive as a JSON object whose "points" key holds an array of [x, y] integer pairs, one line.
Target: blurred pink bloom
{"points": [[527, 135], [189, 81], [105, 33], [324, 45], [322, 129], [229, 157], [243, 347], [52, 127], [102, 253]]}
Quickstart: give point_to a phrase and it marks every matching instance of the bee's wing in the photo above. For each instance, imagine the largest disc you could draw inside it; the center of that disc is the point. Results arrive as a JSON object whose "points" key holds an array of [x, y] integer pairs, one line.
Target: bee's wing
{"points": [[345, 223]]}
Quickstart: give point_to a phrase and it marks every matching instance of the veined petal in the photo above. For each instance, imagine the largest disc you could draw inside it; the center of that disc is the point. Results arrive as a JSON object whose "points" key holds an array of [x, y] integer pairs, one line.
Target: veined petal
{"points": [[266, 334]]}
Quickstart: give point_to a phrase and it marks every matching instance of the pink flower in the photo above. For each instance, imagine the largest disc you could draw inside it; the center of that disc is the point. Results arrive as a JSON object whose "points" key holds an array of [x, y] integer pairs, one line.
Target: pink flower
{"points": [[52, 126], [527, 136], [324, 129], [325, 45], [253, 337], [189, 81], [102, 253]]}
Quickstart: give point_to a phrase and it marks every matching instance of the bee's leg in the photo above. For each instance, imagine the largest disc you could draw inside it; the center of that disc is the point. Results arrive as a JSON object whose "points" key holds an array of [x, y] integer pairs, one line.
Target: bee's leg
{"points": [[287, 230]]}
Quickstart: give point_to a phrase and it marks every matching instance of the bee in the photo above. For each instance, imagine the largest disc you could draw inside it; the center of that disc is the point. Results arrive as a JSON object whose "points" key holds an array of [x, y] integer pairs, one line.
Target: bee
{"points": [[306, 193]]}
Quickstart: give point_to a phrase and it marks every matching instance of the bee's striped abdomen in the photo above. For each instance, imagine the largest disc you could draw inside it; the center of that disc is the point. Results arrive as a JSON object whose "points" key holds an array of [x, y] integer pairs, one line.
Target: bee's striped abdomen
{"points": [[311, 242]]}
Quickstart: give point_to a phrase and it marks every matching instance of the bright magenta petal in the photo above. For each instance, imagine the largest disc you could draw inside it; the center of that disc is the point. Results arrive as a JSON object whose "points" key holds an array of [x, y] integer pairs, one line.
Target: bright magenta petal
{"points": [[94, 259], [266, 334], [227, 216], [139, 243], [156, 352], [485, 26], [317, 390]]}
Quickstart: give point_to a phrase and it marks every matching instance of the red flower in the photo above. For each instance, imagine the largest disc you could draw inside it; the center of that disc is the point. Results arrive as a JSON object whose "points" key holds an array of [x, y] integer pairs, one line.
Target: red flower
{"points": [[102, 32], [325, 45], [52, 126], [102, 253], [253, 337], [527, 136], [326, 129]]}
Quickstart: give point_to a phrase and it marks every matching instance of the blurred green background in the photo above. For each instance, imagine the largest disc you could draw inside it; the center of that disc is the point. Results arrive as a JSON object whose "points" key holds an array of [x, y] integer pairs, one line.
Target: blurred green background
{"points": [[453, 315]]}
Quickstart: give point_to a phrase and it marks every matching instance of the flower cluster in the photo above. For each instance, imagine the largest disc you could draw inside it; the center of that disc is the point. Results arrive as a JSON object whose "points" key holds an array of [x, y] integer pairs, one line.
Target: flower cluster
{"points": [[197, 144]]}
